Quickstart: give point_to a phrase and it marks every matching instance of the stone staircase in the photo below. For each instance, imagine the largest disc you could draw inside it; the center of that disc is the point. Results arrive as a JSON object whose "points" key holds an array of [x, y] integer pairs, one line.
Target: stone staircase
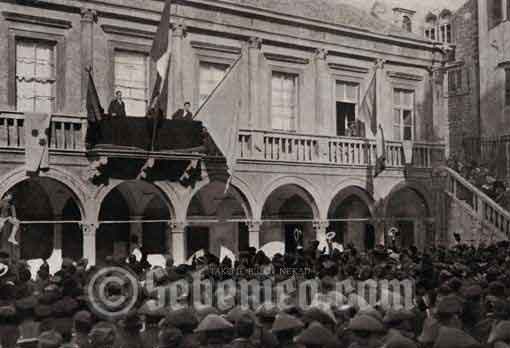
{"points": [[473, 214]]}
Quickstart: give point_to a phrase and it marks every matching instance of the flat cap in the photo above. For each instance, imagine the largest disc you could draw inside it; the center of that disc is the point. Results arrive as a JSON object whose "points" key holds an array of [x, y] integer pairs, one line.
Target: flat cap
{"points": [[50, 339], [102, 334], [183, 319], [365, 322], [455, 338], [316, 335], [286, 322], [170, 337], [214, 322]]}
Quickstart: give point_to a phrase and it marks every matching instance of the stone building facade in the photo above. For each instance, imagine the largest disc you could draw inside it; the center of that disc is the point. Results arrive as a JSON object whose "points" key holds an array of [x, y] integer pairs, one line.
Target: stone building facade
{"points": [[298, 166]]}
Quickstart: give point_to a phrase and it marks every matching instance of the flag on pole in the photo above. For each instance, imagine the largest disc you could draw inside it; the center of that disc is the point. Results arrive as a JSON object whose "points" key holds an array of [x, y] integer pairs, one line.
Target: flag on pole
{"points": [[95, 111], [160, 55], [368, 110], [368, 113], [380, 162], [220, 113]]}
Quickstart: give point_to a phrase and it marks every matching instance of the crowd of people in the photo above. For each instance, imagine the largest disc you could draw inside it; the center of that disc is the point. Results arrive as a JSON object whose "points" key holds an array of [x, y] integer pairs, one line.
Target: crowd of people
{"points": [[484, 179], [459, 301]]}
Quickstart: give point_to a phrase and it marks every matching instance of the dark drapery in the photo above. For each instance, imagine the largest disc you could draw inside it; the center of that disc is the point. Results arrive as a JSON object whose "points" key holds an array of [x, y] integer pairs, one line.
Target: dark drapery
{"points": [[135, 132]]}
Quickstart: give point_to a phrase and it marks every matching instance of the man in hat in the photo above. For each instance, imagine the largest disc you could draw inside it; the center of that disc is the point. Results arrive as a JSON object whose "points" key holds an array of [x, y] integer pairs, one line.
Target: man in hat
{"points": [[129, 331], [50, 339], [215, 330], [102, 335], [244, 327], [285, 327], [82, 324]]}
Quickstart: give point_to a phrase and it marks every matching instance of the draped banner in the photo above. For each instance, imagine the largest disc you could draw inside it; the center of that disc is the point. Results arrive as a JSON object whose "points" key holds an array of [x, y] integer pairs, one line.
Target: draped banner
{"points": [[37, 130]]}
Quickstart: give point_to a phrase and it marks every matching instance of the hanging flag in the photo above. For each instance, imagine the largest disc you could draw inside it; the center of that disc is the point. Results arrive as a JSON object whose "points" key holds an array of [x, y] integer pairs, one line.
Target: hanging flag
{"points": [[160, 55], [37, 130], [220, 113], [380, 162], [95, 112], [368, 110]]}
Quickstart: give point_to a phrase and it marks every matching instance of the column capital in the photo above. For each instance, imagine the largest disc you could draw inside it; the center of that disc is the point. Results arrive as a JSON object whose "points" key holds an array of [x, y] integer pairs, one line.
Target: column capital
{"points": [[321, 54], [255, 42], [379, 63], [88, 15], [177, 226], [254, 225], [179, 30], [320, 224], [89, 228]]}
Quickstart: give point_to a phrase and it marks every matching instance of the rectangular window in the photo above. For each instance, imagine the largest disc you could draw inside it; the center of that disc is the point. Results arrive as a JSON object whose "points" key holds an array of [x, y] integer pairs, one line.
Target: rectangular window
{"points": [[495, 12], [433, 34], [448, 33], [403, 114], [131, 77], [507, 86], [35, 76], [283, 100], [210, 75]]}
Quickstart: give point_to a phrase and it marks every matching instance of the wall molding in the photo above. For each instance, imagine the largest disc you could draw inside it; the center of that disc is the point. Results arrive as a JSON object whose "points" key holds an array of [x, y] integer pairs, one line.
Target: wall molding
{"points": [[207, 46], [45, 21], [404, 76], [115, 29], [351, 68], [285, 58]]}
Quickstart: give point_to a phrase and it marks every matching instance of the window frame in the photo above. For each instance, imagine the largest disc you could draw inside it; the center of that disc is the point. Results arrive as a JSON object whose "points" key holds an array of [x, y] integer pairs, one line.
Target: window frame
{"points": [[401, 108], [58, 41], [34, 44], [296, 96], [199, 71], [114, 46]]}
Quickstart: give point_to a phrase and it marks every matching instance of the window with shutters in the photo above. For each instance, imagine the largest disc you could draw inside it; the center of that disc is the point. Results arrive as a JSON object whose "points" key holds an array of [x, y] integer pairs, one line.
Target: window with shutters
{"points": [[459, 81], [284, 89], [35, 75], [132, 79], [210, 75], [403, 111]]}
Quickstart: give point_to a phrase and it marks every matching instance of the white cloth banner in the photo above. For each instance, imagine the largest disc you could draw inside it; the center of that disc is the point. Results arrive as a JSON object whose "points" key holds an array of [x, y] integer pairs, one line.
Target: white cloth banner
{"points": [[37, 130]]}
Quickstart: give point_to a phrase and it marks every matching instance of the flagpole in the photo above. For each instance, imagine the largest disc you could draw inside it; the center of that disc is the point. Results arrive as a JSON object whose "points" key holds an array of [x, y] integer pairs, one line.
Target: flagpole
{"points": [[218, 85]]}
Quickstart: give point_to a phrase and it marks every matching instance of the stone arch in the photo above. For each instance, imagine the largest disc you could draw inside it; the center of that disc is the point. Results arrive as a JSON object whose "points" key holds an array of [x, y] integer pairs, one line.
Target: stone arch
{"points": [[76, 186], [229, 210], [123, 210], [308, 189], [53, 208], [350, 216], [408, 208], [241, 187]]}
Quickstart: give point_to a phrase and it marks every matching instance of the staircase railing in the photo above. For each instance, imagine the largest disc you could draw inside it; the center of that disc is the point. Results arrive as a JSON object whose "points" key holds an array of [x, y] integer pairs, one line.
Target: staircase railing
{"points": [[486, 209]]}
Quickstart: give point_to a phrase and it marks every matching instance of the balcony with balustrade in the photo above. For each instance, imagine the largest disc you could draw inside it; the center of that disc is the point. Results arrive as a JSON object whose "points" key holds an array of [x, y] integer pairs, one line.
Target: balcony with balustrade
{"points": [[67, 137]]}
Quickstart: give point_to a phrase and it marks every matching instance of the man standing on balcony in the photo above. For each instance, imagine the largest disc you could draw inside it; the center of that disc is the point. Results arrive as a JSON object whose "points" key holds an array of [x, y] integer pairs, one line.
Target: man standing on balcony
{"points": [[183, 114], [117, 107]]}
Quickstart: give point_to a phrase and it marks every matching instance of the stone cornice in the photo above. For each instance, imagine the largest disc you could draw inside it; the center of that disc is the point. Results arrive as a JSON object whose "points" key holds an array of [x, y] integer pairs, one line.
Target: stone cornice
{"points": [[285, 58], [114, 29], [215, 47], [404, 76], [45, 21], [351, 68]]}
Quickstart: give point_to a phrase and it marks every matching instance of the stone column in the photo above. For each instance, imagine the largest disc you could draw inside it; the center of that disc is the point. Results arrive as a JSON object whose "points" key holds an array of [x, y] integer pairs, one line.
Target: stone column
{"points": [[254, 46], [254, 236], [178, 237], [89, 230], [176, 95], [323, 92], [320, 227], [88, 18]]}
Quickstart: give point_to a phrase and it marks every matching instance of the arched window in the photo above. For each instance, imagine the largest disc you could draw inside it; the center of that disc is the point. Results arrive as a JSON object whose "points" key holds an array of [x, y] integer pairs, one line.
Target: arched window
{"points": [[407, 24], [445, 27]]}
